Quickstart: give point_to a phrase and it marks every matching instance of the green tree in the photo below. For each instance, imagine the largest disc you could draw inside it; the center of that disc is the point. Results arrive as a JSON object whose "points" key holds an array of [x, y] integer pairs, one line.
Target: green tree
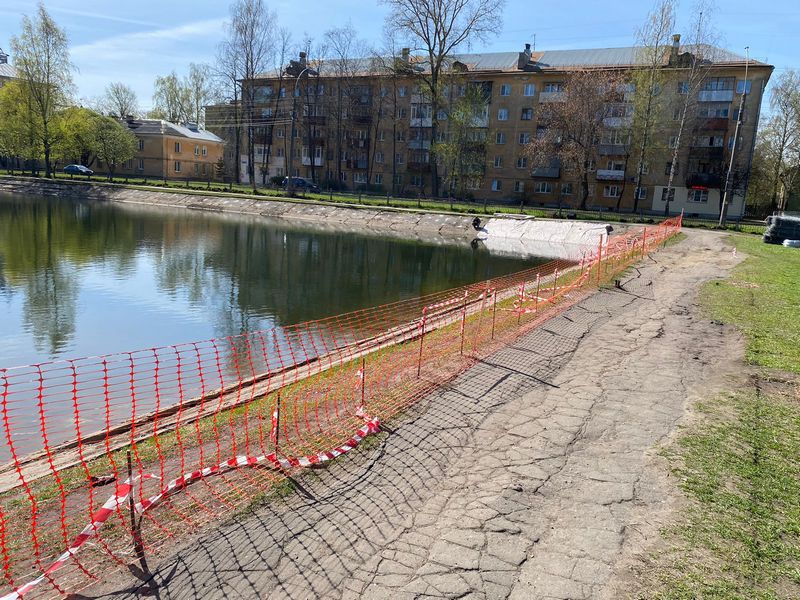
{"points": [[77, 134], [440, 28], [171, 99], [114, 143], [42, 60], [19, 135], [462, 152]]}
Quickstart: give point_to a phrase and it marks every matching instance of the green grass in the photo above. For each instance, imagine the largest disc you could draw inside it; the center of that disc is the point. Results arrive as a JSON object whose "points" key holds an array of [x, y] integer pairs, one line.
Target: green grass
{"points": [[739, 462], [740, 537], [762, 298]]}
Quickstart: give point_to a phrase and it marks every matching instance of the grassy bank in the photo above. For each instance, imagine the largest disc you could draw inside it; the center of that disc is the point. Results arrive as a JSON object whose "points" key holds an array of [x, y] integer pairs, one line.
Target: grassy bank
{"points": [[386, 201], [739, 463]]}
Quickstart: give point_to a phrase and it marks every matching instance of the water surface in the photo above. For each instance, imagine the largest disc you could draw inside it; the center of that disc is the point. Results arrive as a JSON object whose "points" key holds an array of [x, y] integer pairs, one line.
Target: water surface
{"points": [[83, 278]]}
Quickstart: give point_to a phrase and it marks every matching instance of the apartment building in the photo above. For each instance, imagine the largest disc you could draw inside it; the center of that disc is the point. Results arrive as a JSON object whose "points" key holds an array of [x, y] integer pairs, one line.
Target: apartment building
{"points": [[171, 151], [368, 125]]}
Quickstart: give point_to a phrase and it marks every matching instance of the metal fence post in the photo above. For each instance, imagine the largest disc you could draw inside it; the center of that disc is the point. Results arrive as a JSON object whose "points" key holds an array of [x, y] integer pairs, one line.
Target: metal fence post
{"points": [[421, 338], [463, 321]]}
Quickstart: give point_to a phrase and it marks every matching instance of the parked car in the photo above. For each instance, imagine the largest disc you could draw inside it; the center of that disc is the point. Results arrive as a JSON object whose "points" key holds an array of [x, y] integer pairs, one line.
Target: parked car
{"points": [[301, 184], [78, 170]]}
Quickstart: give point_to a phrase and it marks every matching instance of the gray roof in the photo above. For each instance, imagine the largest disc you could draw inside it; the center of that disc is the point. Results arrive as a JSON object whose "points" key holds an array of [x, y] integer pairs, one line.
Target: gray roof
{"points": [[160, 127], [7, 71], [547, 59]]}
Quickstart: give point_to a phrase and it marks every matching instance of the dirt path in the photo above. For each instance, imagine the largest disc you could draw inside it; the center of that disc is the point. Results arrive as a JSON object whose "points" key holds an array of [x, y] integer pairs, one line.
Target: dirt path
{"points": [[534, 475]]}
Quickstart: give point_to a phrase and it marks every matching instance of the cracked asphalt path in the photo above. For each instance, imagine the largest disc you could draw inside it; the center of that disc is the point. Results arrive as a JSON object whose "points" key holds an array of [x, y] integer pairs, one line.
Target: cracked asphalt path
{"points": [[530, 476]]}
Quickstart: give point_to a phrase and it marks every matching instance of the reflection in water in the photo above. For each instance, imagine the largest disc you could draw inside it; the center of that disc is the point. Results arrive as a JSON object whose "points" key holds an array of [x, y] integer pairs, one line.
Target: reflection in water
{"points": [[86, 278]]}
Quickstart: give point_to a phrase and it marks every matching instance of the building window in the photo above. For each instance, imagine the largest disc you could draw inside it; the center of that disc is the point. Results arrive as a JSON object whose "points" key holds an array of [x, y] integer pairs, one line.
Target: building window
{"points": [[416, 180], [616, 165], [402, 113], [203, 168], [382, 135], [611, 191], [281, 172], [522, 162], [528, 89], [668, 168], [566, 189], [553, 86], [378, 178], [196, 150], [497, 185], [643, 193], [698, 196], [590, 165], [505, 89], [671, 195], [401, 91], [398, 180], [527, 114], [673, 141], [519, 186], [379, 157], [141, 164], [204, 151], [177, 147], [740, 86], [500, 138], [498, 161], [524, 137], [359, 178], [543, 187], [279, 152], [177, 166], [129, 164], [141, 145], [398, 158], [502, 114], [401, 135], [196, 169], [683, 87]]}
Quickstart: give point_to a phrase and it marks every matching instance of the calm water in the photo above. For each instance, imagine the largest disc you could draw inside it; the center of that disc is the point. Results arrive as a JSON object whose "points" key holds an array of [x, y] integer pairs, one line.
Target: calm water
{"points": [[87, 278]]}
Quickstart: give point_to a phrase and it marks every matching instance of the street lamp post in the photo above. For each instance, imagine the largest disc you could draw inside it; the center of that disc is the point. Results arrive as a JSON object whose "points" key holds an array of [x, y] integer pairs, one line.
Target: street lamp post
{"points": [[291, 70], [723, 213]]}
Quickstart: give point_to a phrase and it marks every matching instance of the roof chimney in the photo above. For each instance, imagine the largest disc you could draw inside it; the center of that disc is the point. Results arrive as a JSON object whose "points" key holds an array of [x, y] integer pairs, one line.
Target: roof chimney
{"points": [[303, 59], [406, 52], [524, 57], [3, 57], [676, 48]]}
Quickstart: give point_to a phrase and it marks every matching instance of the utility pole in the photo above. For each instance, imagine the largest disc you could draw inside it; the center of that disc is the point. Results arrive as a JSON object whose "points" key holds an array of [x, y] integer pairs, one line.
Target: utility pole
{"points": [[300, 68], [723, 213]]}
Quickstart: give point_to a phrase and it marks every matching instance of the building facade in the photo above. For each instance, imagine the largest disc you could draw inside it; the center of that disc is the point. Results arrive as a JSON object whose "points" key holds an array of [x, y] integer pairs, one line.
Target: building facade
{"points": [[169, 151], [367, 124], [7, 72]]}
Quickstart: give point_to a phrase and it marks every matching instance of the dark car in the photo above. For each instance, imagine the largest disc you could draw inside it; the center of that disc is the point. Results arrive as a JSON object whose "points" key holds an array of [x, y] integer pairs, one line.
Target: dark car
{"points": [[78, 170], [301, 184]]}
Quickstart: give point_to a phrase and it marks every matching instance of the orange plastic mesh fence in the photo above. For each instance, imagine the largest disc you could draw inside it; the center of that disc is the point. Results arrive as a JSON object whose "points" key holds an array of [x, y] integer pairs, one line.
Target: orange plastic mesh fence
{"points": [[113, 457]]}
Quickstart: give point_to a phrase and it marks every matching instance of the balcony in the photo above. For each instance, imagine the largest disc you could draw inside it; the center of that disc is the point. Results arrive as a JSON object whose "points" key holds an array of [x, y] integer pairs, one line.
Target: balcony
{"points": [[616, 122], [362, 118], [712, 124], [419, 144], [547, 173], [610, 175], [715, 96], [612, 149], [710, 152], [362, 144], [419, 167], [357, 164], [421, 122], [703, 180], [551, 96], [307, 161]]}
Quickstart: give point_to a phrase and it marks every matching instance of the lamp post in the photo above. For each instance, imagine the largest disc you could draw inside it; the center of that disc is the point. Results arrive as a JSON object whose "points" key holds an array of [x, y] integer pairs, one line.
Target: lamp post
{"points": [[723, 213], [291, 70]]}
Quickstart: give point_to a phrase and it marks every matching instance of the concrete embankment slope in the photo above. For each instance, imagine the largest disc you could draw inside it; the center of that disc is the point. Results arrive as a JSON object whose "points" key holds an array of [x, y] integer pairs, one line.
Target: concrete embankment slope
{"points": [[501, 234]]}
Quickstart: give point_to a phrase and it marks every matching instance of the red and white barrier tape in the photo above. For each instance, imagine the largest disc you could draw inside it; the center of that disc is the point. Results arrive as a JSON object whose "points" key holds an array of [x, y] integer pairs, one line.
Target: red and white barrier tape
{"points": [[123, 491]]}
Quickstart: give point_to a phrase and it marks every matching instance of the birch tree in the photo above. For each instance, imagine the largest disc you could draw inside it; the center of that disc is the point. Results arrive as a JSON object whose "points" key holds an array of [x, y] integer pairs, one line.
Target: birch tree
{"points": [[42, 60], [654, 40], [438, 28]]}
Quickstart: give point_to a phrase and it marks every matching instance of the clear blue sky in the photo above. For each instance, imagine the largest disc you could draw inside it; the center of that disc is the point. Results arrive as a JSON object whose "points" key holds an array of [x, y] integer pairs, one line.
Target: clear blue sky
{"points": [[135, 41]]}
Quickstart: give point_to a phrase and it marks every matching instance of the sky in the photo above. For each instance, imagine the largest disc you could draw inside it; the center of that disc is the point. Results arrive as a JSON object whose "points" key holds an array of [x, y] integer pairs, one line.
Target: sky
{"points": [[133, 42]]}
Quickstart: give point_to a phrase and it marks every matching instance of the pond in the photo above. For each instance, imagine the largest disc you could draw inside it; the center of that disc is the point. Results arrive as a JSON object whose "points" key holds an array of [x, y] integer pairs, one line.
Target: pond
{"points": [[83, 278]]}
